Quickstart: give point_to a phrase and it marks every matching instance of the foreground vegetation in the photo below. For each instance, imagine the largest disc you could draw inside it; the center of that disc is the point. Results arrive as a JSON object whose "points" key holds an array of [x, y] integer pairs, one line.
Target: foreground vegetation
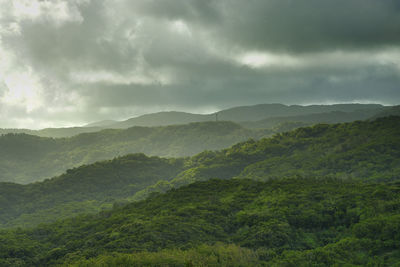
{"points": [[298, 221], [317, 196]]}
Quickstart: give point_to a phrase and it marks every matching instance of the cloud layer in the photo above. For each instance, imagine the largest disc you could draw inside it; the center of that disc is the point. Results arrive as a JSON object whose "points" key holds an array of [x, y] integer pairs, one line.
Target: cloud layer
{"points": [[66, 62]]}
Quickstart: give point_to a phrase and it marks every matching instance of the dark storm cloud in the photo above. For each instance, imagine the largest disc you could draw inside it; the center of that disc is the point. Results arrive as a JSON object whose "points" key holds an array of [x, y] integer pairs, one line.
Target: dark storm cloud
{"points": [[90, 43], [87, 60], [237, 88], [290, 25], [202, 12]]}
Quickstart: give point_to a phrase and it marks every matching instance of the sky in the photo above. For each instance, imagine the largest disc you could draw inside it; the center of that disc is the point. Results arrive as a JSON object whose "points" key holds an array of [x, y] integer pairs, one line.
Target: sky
{"points": [[70, 62]]}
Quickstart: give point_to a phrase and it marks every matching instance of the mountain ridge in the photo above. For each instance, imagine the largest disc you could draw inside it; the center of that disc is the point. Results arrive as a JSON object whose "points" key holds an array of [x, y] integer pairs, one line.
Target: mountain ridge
{"points": [[239, 114], [245, 115]]}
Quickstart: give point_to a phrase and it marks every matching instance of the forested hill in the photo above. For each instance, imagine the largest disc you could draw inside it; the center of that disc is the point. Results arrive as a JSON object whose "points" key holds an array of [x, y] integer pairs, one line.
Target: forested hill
{"points": [[239, 222], [368, 150], [86, 189], [364, 150], [388, 111], [311, 119], [26, 158], [248, 114]]}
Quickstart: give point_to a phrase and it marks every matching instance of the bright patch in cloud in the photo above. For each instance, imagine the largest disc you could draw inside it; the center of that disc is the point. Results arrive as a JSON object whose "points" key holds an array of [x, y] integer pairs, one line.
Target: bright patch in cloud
{"points": [[135, 77], [181, 27], [23, 90], [261, 60], [56, 11]]}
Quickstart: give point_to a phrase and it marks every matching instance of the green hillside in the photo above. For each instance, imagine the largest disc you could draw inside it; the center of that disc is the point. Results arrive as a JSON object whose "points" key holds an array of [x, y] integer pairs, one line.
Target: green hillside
{"points": [[26, 158], [239, 222], [314, 118], [389, 111], [367, 151], [87, 189]]}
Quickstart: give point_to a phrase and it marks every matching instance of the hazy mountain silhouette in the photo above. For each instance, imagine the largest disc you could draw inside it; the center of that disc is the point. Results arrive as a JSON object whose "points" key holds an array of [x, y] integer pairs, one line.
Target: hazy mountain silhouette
{"points": [[245, 113]]}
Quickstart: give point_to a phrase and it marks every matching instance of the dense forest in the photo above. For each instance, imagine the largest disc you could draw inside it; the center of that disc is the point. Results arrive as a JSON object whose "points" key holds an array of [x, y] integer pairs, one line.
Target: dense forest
{"points": [[367, 151], [87, 189], [27, 158], [236, 222], [316, 196]]}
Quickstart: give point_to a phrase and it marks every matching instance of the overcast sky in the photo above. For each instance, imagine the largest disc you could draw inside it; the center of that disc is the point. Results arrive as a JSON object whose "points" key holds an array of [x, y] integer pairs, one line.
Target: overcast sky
{"points": [[68, 62]]}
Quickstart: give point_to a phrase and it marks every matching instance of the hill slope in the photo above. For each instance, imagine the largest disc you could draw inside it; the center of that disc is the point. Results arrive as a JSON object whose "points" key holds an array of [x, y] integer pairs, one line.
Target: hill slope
{"points": [[86, 189], [282, 222], [389, 111], [310, 119], [25, 158], [368, 151]]}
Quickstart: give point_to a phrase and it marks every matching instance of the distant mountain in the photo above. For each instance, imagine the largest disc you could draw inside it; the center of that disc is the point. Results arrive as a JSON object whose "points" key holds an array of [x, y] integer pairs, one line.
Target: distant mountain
{"points": [[27, 158], [263, 111], [163, 119], [105, 123], [53, 132], [155, 119], [367, 151], [243, 114], [258, 116]]}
